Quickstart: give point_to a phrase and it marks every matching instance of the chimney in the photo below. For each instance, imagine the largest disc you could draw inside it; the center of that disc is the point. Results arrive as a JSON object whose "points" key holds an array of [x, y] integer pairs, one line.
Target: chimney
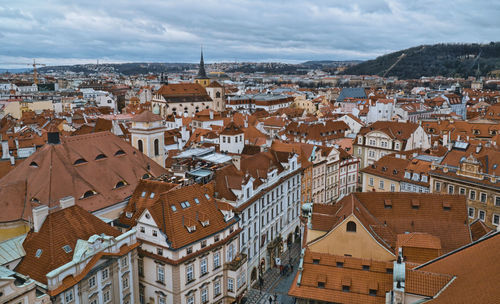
{"points": [[66, 202], [12, 161], [211, 114], [39, 215], [5, 150]]}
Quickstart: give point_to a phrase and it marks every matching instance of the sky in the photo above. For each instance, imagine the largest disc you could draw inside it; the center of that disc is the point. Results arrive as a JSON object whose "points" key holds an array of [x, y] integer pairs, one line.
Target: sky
{"points": [[71, 32]]}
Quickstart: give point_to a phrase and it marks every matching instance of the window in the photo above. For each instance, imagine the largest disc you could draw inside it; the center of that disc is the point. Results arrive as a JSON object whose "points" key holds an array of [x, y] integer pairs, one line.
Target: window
{"points": [[366, 267], [105, 274], [189, 273], [351, 226], [472, 195], [438, 186], [230, 252], [373, 292], [157, 147], [497, 201], [140, 265], [381, 184], [462, 191], [216, 288], [189, 250], [120, 184], [216, 260], [190, 300], [107, 296], [161, 300], [482, 215], [203, 267], [483, 197], [204, 295], [393, 187], [345, 288], [125, 282], [216, 238], [471, 212], [155, 233], [230, 284], [321, 284], [496, 219], [124, 261], [160, 274], [92, 282], [140, 145], [451, 189], [370, 181], [68, 296]]}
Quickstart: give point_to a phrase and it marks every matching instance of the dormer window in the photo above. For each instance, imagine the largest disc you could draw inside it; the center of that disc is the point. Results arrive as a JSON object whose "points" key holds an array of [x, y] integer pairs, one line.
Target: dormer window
{"points": [[38, 253], [120, 184], [173, 208], [33, 164], [407, 175], [100, 156], [196, 200], [185, 204], [128, 214], [119, 152], [207, 196], [79, 161], [88, 193], [152, 195], [146, 176], [143, 194]]}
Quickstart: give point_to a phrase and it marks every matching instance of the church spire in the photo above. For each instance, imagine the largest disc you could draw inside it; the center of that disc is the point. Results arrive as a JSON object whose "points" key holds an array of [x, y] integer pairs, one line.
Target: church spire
{"points": [[201, 72]]}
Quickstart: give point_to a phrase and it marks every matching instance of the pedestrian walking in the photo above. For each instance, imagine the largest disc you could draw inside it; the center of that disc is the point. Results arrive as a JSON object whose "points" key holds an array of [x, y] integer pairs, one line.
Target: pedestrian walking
{"points": [[291, 267], [270, 299]]}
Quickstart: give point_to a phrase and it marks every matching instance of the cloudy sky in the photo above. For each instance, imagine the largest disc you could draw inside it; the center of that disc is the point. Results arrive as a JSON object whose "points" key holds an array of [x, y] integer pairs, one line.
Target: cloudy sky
{"points": [[67, 32]]}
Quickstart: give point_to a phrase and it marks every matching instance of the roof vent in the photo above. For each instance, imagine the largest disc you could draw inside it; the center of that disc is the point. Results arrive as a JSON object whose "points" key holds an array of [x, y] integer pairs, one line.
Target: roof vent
{"points": [[387, 203], [35, 165], [53, 138], [446, 206], [79, 161], [415, 203], [67, 248]]}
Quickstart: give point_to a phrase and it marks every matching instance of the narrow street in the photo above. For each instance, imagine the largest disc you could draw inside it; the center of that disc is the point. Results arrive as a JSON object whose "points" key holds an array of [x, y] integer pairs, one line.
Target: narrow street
{"points": [[274, 283]]}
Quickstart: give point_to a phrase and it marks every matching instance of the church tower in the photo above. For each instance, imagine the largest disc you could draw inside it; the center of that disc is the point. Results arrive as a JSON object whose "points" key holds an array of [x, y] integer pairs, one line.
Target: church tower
{"points": [[202, 78], [147, 136]]}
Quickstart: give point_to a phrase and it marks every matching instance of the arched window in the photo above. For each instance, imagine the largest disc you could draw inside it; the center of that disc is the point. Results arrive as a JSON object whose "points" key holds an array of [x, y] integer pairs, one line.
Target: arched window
{"points": [[139, 145], [217, 95], [157, 147], [351, 226]]}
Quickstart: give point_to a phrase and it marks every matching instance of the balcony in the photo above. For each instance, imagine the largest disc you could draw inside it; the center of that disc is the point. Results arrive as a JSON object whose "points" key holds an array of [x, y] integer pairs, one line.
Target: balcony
{"points": [[237, 262]]}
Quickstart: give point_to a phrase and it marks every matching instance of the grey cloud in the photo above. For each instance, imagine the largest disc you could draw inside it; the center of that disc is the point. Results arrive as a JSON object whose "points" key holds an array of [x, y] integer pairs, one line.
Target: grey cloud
{"points": [[126, 30]]}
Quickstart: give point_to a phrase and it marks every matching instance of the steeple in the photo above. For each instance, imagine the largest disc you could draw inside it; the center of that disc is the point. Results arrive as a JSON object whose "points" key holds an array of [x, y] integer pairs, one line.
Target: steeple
{"points": [[201, 72]]}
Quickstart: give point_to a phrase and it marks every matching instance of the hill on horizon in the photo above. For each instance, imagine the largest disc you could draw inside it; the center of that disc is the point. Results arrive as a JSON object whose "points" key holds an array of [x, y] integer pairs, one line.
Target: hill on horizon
{"points": [[449, 60]]}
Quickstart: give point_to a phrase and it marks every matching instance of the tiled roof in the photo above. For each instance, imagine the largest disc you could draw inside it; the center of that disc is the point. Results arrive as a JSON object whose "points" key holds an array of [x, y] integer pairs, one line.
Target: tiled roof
{"points": [[322, 268], [174, 223], [476, 270], [396, 130], [93, 162], [145, 195], [146, 116], [63, 227]]}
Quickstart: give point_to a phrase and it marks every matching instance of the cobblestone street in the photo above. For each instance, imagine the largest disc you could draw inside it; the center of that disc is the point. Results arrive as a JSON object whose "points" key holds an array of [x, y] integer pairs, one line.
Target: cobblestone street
{"points": [[274, 283]]}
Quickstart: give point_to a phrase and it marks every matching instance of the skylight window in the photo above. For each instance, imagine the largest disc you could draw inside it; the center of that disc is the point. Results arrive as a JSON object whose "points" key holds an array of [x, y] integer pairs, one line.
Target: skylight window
{"points": [[66, 248], [173, 208], [185, 204], [38, 253], [207, 196], [152, 195], [196, 200], [143, 194]]}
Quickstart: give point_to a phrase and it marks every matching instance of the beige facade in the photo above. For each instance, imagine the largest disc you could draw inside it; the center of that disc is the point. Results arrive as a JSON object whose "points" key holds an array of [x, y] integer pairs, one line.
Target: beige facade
{"points": [[376, 183], [148, 137], [209, 270], [16, 108], [358, 244]]}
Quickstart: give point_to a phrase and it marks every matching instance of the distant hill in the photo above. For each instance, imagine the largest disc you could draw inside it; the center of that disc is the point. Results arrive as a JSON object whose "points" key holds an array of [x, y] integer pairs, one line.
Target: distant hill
{"points": [[123, 68], [449, 60]]}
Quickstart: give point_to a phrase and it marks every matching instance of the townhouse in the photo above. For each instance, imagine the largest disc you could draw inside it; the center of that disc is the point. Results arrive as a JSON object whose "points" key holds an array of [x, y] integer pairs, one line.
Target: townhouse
{"points": [[190, 245], [385, 137], [264, 190], [471, 170]]}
